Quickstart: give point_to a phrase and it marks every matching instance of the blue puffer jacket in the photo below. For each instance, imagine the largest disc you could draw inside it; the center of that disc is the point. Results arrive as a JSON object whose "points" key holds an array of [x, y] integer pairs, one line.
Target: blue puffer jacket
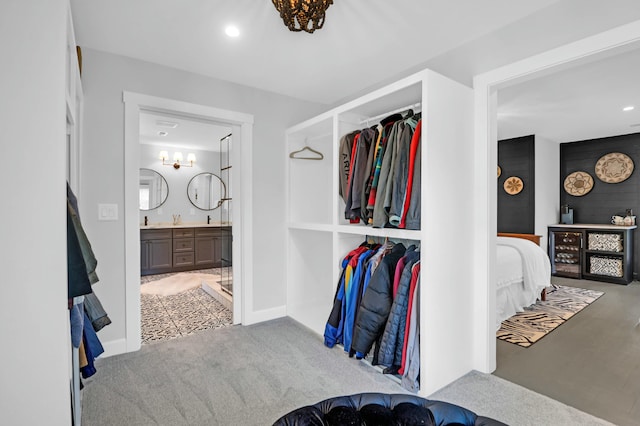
{"points": [[390, 353], [376, 304]]}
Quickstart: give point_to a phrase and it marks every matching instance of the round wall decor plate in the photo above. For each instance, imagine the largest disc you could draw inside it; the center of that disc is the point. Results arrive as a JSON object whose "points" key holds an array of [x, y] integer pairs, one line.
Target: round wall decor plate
{"points": [[614, 167], [513, 185], [578, 183], [499, 171]]}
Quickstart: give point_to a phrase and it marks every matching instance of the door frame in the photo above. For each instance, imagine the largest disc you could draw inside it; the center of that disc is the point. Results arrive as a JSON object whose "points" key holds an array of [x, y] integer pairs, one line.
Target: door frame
{"points": [[242, 129], [599, 46]]}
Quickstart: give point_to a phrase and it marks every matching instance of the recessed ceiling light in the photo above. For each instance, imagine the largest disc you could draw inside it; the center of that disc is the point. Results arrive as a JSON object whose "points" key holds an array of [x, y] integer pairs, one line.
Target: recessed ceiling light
{"points": [[232, 31], [628, 108], [161, 133]]}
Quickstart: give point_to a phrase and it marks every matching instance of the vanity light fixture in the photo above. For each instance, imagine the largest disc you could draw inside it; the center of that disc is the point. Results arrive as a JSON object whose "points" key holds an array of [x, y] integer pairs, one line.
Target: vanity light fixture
{"points": [[302, 15], [177, 159]]}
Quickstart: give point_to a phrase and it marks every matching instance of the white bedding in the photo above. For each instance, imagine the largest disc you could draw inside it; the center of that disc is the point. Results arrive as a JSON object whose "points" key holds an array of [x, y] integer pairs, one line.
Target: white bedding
{"points": [[523, 272]]}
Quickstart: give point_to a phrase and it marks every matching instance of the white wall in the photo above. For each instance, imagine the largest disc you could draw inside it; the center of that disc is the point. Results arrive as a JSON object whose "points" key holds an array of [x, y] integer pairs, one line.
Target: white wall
{"points": [[34, 372], [547, 197], [105, 76], [177, 180]]}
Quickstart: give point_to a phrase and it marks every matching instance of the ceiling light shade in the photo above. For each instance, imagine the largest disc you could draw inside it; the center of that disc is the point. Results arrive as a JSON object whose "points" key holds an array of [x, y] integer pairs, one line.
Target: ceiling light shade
{"points": [[302, 15]]}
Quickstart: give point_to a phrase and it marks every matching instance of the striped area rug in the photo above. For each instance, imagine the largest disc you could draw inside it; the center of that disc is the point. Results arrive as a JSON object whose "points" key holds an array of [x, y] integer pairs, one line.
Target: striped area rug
{"points": [[526, 328]]}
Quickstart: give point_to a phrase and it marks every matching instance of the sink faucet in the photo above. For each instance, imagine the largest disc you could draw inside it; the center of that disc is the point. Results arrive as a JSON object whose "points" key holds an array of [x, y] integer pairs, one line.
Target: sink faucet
{"points": [[208, 220]]}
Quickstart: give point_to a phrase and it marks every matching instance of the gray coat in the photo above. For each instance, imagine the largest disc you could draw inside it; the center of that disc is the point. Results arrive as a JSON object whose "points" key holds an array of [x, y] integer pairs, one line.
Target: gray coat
{"points": [[393, 338]]}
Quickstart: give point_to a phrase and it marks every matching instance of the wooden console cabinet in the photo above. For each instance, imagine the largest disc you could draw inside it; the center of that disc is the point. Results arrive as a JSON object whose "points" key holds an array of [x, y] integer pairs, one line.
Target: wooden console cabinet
{"points": [[592, 252], [183, 249]]}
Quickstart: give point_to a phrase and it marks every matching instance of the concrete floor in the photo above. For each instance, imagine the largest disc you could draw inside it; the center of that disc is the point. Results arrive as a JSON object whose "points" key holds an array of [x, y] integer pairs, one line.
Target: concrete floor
{"points": [[592, 362]]}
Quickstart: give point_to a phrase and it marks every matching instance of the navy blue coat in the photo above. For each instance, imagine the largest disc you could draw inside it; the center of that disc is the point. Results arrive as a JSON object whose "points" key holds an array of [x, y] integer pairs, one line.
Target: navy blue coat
{"points": [[376, 303]]}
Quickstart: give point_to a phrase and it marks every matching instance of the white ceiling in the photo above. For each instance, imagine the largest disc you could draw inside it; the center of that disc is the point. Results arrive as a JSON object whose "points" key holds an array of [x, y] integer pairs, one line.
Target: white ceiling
{"points": [[365, 43], [187, 133], [580, 103], [362, 41]]}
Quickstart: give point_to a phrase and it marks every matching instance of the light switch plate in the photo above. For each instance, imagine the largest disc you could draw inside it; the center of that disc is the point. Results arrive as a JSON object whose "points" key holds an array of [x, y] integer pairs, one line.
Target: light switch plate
{"points": [[107, 212]]}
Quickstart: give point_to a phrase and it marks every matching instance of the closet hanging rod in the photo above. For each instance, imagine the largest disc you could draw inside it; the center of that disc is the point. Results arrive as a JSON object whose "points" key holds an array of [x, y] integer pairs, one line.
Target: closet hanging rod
{"points": [[314, 137], [386, 114]]}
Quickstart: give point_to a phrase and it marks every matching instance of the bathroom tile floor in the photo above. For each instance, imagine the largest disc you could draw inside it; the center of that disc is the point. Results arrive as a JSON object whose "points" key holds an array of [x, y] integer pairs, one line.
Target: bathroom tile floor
{"points": [[170, 317]]}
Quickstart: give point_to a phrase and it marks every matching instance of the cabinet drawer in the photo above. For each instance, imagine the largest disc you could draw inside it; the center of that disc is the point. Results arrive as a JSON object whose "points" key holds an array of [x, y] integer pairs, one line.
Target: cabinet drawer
{"points": [[605, 242], [182, 244], [182, 259], [207, 232], [182, 232], [155, 234], [608, 266]]}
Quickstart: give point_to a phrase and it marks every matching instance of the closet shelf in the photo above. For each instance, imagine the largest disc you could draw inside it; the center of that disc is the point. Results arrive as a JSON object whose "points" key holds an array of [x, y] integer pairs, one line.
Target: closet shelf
{"points": [[405, 234], [311, 227]]}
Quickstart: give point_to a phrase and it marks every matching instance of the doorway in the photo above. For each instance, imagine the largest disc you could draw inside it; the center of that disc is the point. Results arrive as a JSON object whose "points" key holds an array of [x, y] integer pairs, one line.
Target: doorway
{"points": [[241, 126], [185, 226], [486, 87]]}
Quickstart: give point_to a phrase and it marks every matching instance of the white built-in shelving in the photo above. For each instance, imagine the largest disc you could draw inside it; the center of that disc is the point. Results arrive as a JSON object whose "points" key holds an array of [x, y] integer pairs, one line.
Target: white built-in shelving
{"points": [[319, 236]]}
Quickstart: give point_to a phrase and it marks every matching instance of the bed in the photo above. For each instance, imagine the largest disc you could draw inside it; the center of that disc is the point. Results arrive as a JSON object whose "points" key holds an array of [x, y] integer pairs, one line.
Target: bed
{"points": [[523, 274]]}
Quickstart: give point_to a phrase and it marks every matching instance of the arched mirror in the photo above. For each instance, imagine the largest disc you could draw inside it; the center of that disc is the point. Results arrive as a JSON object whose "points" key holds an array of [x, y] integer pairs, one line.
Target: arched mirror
{"points": [[153, 189], [206, 191]]}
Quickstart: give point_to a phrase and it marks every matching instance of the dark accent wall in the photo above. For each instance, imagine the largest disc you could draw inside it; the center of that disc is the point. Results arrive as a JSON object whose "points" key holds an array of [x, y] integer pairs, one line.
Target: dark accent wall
{"points": [[516, 213], [605, 199]]}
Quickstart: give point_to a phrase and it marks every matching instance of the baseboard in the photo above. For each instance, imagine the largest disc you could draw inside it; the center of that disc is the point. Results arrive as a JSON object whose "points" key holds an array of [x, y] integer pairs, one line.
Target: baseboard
{"points": [[114, 347], [265, 315]]}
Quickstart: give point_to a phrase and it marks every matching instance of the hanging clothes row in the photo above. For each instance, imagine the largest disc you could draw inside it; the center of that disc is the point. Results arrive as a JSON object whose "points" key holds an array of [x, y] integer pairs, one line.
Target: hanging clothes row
{"points": [[376, 303], [87, 316], [380, 173]]}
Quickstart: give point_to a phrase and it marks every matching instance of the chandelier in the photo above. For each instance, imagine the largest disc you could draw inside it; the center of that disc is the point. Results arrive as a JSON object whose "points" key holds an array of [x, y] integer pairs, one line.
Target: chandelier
{"points": [[302, 15]]}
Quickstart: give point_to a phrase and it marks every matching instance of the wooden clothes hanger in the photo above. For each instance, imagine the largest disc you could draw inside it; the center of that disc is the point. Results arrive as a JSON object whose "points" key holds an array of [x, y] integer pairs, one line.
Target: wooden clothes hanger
{"points": [[318, 155]]}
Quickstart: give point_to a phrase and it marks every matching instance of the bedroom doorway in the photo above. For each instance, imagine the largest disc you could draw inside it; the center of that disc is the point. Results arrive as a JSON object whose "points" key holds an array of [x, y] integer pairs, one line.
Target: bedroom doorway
{"points": [[560, 352], [486, 87]]}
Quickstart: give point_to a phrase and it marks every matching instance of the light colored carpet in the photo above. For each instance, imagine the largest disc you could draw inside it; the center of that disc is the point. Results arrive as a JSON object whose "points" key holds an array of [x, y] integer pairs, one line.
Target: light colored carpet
{"points": [[252, 375], [526, 328], [175, 284]]}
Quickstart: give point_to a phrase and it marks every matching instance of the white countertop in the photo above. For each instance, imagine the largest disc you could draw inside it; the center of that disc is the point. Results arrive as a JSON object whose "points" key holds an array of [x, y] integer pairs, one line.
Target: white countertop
{"points": [[168, 225], [594, 226]]}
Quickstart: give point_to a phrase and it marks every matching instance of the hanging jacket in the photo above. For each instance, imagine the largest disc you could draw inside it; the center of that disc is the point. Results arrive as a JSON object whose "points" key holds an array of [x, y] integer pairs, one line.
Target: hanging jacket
{"points": [[346, 145], [411, 208], [380, 215], [376, 303], [377, 166], [412, 364], [352, 298], [399, 188], [358, 174], [415, 273], [333, 331], [367, 184], [392, 343]]}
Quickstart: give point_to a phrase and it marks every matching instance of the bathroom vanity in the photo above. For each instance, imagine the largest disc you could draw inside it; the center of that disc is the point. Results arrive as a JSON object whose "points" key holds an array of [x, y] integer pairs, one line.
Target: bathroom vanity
{"points": [[177, 248]]}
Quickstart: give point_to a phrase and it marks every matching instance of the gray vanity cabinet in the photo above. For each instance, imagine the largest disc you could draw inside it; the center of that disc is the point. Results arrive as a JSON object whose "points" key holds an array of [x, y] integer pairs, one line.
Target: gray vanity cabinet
{"points": [[208, 249], [213, 247], [155, 251], [184, 249]]}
